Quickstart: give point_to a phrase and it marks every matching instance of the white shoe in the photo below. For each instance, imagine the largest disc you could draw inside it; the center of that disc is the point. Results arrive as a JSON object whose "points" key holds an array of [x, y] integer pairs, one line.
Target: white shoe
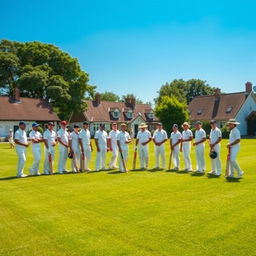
{"points": [[22, 176], [240, 175]]}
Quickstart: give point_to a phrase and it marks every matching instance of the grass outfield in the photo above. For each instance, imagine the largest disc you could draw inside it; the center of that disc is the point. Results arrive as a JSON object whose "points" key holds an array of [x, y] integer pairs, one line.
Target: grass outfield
{"points": [[139, 213]]}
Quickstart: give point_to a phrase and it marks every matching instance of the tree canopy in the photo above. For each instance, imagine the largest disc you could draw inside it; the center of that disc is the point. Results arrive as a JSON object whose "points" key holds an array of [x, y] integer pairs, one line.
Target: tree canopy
{"points": [[185, 91], [44, 71], [110, 96], [170, 111]]}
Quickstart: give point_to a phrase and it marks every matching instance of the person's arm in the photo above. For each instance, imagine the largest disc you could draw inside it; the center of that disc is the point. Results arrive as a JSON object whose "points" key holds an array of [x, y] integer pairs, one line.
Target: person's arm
{"points": [[119, 146], [20, 143], [233, 143], [91, 145], [163, 141], [109, 143], [61, 142], [200, 141], [81, 145], [129, 140], [212, 145]]}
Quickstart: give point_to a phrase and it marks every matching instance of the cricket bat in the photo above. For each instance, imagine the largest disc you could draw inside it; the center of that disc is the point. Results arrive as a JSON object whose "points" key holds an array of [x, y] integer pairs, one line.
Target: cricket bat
{"points": [[228, 162], [123, 162], [82, 162], [170, 160], [50, 163], [134, 159]]}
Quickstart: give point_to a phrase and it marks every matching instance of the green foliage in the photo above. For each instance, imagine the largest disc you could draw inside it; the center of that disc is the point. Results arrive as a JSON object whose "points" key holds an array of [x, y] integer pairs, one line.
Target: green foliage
{"points": [[109, 96], [225, 132], [185, 91], [129, 96], [44, 71], [170, 110]]}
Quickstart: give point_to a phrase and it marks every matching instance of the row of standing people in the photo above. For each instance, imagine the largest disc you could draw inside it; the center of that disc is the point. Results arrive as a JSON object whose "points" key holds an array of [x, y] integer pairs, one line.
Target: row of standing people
{"points": [[79, 143]]}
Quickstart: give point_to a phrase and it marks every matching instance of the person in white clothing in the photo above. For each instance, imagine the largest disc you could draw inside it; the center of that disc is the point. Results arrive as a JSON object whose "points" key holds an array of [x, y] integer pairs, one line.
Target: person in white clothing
{"points": [[214, 140], [85, 145], [175, 141], [21, 144], [50, 141], [10, 138], [187, 137], [143, 138], [62, 137], [75, 149], [234, 147], [36, 138], [123, 139], [101, 145], [112, 144], [200, 138], [159, 138]]}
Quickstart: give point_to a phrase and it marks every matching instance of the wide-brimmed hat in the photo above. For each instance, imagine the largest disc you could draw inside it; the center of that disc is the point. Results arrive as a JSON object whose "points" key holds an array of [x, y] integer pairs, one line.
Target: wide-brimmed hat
{"points": [[185, 123], [143, 125], [232, 121]]}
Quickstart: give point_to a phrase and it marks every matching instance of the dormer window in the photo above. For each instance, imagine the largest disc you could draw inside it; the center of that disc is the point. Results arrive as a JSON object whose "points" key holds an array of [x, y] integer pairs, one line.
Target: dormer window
{"points": [[150, 114], [199, 112], [229, 109], [129, 114], [115, 113]]}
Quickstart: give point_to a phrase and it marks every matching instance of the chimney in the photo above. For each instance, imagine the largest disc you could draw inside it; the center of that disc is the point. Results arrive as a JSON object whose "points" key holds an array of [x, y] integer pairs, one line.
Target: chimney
{"points": [[248, 87], [133, 102], [127, 101], [97, 98], [16, 94]]}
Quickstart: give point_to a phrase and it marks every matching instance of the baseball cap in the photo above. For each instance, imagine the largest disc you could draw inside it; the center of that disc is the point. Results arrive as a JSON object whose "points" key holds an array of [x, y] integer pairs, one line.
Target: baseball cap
{"points": [[63, 122], [76, 126], [198, 122], [85, 123], [159, 124], [51, 123], [213, 122], [175, 125], [35, 125]]}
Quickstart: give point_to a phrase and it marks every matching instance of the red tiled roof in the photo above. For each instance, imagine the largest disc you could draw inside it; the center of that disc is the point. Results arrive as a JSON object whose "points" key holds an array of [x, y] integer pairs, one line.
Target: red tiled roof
{"points": [[216, 106], [28, 109], [102, 112]]}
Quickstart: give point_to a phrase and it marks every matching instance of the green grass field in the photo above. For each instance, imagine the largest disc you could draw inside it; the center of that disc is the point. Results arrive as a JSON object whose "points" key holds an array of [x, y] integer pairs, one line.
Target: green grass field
{"points": [[139, 213]]}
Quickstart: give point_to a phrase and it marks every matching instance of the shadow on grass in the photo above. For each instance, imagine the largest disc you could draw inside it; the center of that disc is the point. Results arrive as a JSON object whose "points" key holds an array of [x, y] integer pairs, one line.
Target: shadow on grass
{"points": [[115, 172], [211, 176], [138, 170], [172, 170], [234, 180], [155, 170], [197, 174], [183, 172]]}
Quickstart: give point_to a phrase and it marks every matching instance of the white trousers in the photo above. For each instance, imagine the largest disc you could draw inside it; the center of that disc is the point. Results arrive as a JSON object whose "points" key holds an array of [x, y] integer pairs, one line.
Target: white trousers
{"points": [[125, 156], [87, 156], [114, 156], [21, 152], [46, 160], [101, 158], [186, 154], [159, 153], [233, 164], [176, 157], [34, 169], [75, 166], [216, 163], [143, 154], [200, 160], [63, 155]]}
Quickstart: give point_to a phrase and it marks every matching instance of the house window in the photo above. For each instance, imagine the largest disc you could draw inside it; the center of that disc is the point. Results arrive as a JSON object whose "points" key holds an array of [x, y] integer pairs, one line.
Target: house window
{"points": [[229, 109], [129, 114], [115, 113], [199, 112]]}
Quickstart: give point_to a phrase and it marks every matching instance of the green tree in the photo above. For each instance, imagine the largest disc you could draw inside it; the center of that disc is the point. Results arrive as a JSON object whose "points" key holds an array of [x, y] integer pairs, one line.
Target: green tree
{"points": [[185, 91], [44, 71], [131, 95], [109, 96], [170, 110]]}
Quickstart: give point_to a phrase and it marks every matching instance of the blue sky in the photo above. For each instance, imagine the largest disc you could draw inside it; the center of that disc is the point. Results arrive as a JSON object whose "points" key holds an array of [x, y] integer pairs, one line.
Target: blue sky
{"points": [[136, 46]]}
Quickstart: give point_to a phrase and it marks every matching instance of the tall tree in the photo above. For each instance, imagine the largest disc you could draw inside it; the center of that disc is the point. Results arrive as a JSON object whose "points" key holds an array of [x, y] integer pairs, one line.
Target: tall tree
{"points": [[44, 71], [185, 91], [131, 95], [170, 111]]}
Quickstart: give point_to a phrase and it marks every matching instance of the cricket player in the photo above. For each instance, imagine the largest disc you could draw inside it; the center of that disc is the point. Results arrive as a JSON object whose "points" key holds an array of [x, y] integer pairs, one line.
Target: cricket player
{"points": [[187, 137], [21, 144], [50, 141], [62, 137], [10, 138], [159, 138], [75, 149], [143, 138], [200, 138], [112, 144], [234, 147], [85, 145], [36, 138], [175, 141], [123, 139], [215, 139], [101, 145]]}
